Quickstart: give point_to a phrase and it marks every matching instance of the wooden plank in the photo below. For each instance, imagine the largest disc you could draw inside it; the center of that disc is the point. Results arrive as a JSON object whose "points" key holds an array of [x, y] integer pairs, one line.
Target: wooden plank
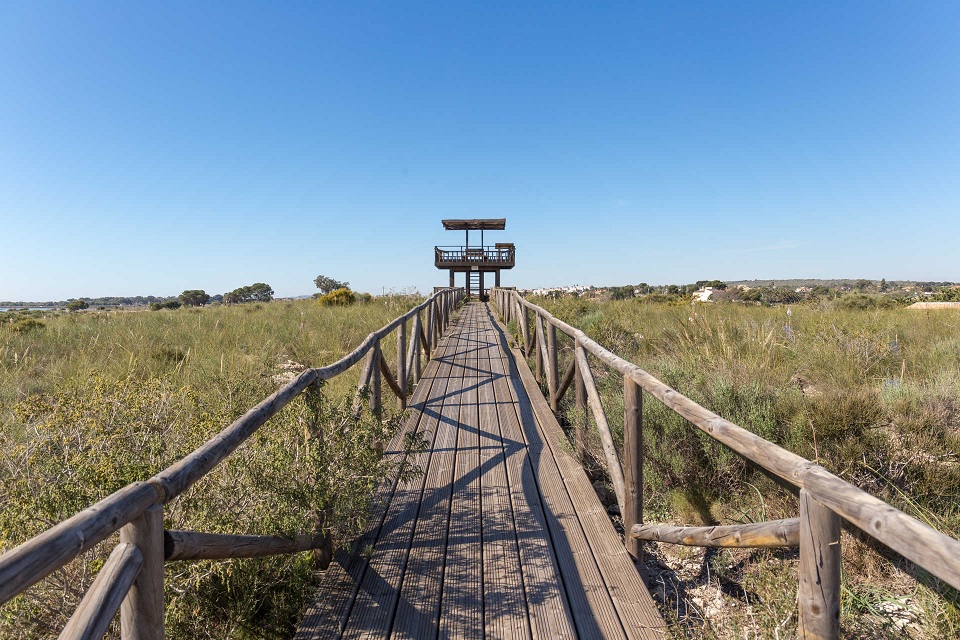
{"points": [[505, 603], [550, 610], [818, 595], [461, 614], [379, 596], [99, 605], [588, 604], [421, 588], [618, 576], [327, 615]]}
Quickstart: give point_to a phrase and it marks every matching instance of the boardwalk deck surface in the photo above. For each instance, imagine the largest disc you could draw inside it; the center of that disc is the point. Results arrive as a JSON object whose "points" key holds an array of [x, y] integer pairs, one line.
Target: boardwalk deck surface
{"points": [[501, 536]]}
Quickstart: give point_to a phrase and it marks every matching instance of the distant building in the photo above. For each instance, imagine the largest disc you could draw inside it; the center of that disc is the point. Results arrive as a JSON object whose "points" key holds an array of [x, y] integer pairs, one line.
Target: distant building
{"points": [[703, 295]]}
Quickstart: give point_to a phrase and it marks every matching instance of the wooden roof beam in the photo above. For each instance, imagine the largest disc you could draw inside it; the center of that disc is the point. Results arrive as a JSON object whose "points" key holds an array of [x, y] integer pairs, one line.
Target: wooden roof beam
{"points": [[482, 224]]}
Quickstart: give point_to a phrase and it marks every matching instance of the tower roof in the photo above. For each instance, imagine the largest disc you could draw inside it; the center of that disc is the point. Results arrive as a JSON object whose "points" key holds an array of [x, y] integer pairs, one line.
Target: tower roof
{"points": [[485, 224]]}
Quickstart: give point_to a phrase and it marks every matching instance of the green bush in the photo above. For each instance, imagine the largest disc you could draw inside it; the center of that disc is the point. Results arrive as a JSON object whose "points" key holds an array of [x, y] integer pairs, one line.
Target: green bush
{"points": [[338, 298], [27, 324], [169, 304]]}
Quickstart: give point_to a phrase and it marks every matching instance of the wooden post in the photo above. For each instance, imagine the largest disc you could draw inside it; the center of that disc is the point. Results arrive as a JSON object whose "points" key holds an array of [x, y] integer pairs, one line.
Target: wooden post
{"points": [[819, 591], [552, 379], [538, 330], [497, 278], [581, 391], [632, 461], [525, 328], [437, 329], [415, 342], [376, 406], [142, 611], [480, 294], [402, 365], [451, 278]]}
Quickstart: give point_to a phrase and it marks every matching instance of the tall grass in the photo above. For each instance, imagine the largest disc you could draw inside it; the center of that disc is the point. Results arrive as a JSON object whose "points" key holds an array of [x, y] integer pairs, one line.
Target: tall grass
{"points": [[871, 394], [92, 401]]}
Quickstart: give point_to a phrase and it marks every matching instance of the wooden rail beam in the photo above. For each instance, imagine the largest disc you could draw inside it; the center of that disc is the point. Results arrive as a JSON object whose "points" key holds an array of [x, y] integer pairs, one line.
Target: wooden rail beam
{"points": [[388, 376], [568, 377], [40, 556], [606, 438], [774, 533], [102, 600], [195, 545]]}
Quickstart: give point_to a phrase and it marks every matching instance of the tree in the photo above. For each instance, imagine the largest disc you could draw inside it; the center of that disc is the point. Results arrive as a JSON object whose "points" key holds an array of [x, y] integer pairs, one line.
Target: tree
{"points": [[621, 293], [883, 284], [261, 292], [194, 297], [327, 284], [77, 305], [256, 292]]}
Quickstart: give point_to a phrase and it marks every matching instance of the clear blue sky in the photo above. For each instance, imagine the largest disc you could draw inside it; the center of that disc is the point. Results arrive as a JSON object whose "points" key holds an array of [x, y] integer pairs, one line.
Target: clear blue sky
{"points": [[148, 148]]}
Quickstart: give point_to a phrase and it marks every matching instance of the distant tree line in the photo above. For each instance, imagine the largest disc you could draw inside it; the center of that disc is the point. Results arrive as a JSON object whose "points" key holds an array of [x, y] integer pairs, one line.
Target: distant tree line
{"points": [[860, 293]]}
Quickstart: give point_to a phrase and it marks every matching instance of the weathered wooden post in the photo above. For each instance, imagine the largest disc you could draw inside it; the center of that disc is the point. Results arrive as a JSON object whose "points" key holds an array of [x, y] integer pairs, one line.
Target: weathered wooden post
{"points": [[819, 590], [376, 406], [402, 364], [525, 328], [437, 329], [415, 345], [581, 391], [538, 330], [632, 461], [142, 611], [552, 379]]}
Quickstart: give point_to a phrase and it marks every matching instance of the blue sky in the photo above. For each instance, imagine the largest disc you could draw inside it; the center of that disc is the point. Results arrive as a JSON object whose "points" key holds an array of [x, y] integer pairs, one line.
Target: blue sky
{"points": [[148, 148]]}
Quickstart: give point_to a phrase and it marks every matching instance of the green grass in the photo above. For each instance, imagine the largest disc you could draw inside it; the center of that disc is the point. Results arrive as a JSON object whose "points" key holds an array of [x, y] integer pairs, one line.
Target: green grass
{"points": [[92, 401], [871, 394]]}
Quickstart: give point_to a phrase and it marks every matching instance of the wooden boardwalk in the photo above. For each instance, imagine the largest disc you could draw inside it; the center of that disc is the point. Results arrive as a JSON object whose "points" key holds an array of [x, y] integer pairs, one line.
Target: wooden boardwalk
{"points": [[501, 536]]}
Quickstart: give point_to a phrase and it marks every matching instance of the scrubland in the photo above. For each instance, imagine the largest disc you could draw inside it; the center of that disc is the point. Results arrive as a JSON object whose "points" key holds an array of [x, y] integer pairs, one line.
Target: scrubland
{"points": [[92, 401], [871, 394]]}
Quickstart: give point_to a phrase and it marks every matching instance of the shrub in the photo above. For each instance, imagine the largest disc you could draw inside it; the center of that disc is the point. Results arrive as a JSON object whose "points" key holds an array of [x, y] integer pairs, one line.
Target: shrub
{"points": [[313, 467], [338, 297], [24, 325], [169, 304]]}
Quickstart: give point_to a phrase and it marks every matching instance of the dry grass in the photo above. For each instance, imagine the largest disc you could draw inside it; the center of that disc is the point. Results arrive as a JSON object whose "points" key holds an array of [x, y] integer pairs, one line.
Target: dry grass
{"points": [[873, 395]]}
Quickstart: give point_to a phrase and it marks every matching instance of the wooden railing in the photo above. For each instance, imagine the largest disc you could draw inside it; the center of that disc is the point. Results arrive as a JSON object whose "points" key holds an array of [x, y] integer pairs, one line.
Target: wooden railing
{"points": [[131, 580], [824, 498], [494, 256]]}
